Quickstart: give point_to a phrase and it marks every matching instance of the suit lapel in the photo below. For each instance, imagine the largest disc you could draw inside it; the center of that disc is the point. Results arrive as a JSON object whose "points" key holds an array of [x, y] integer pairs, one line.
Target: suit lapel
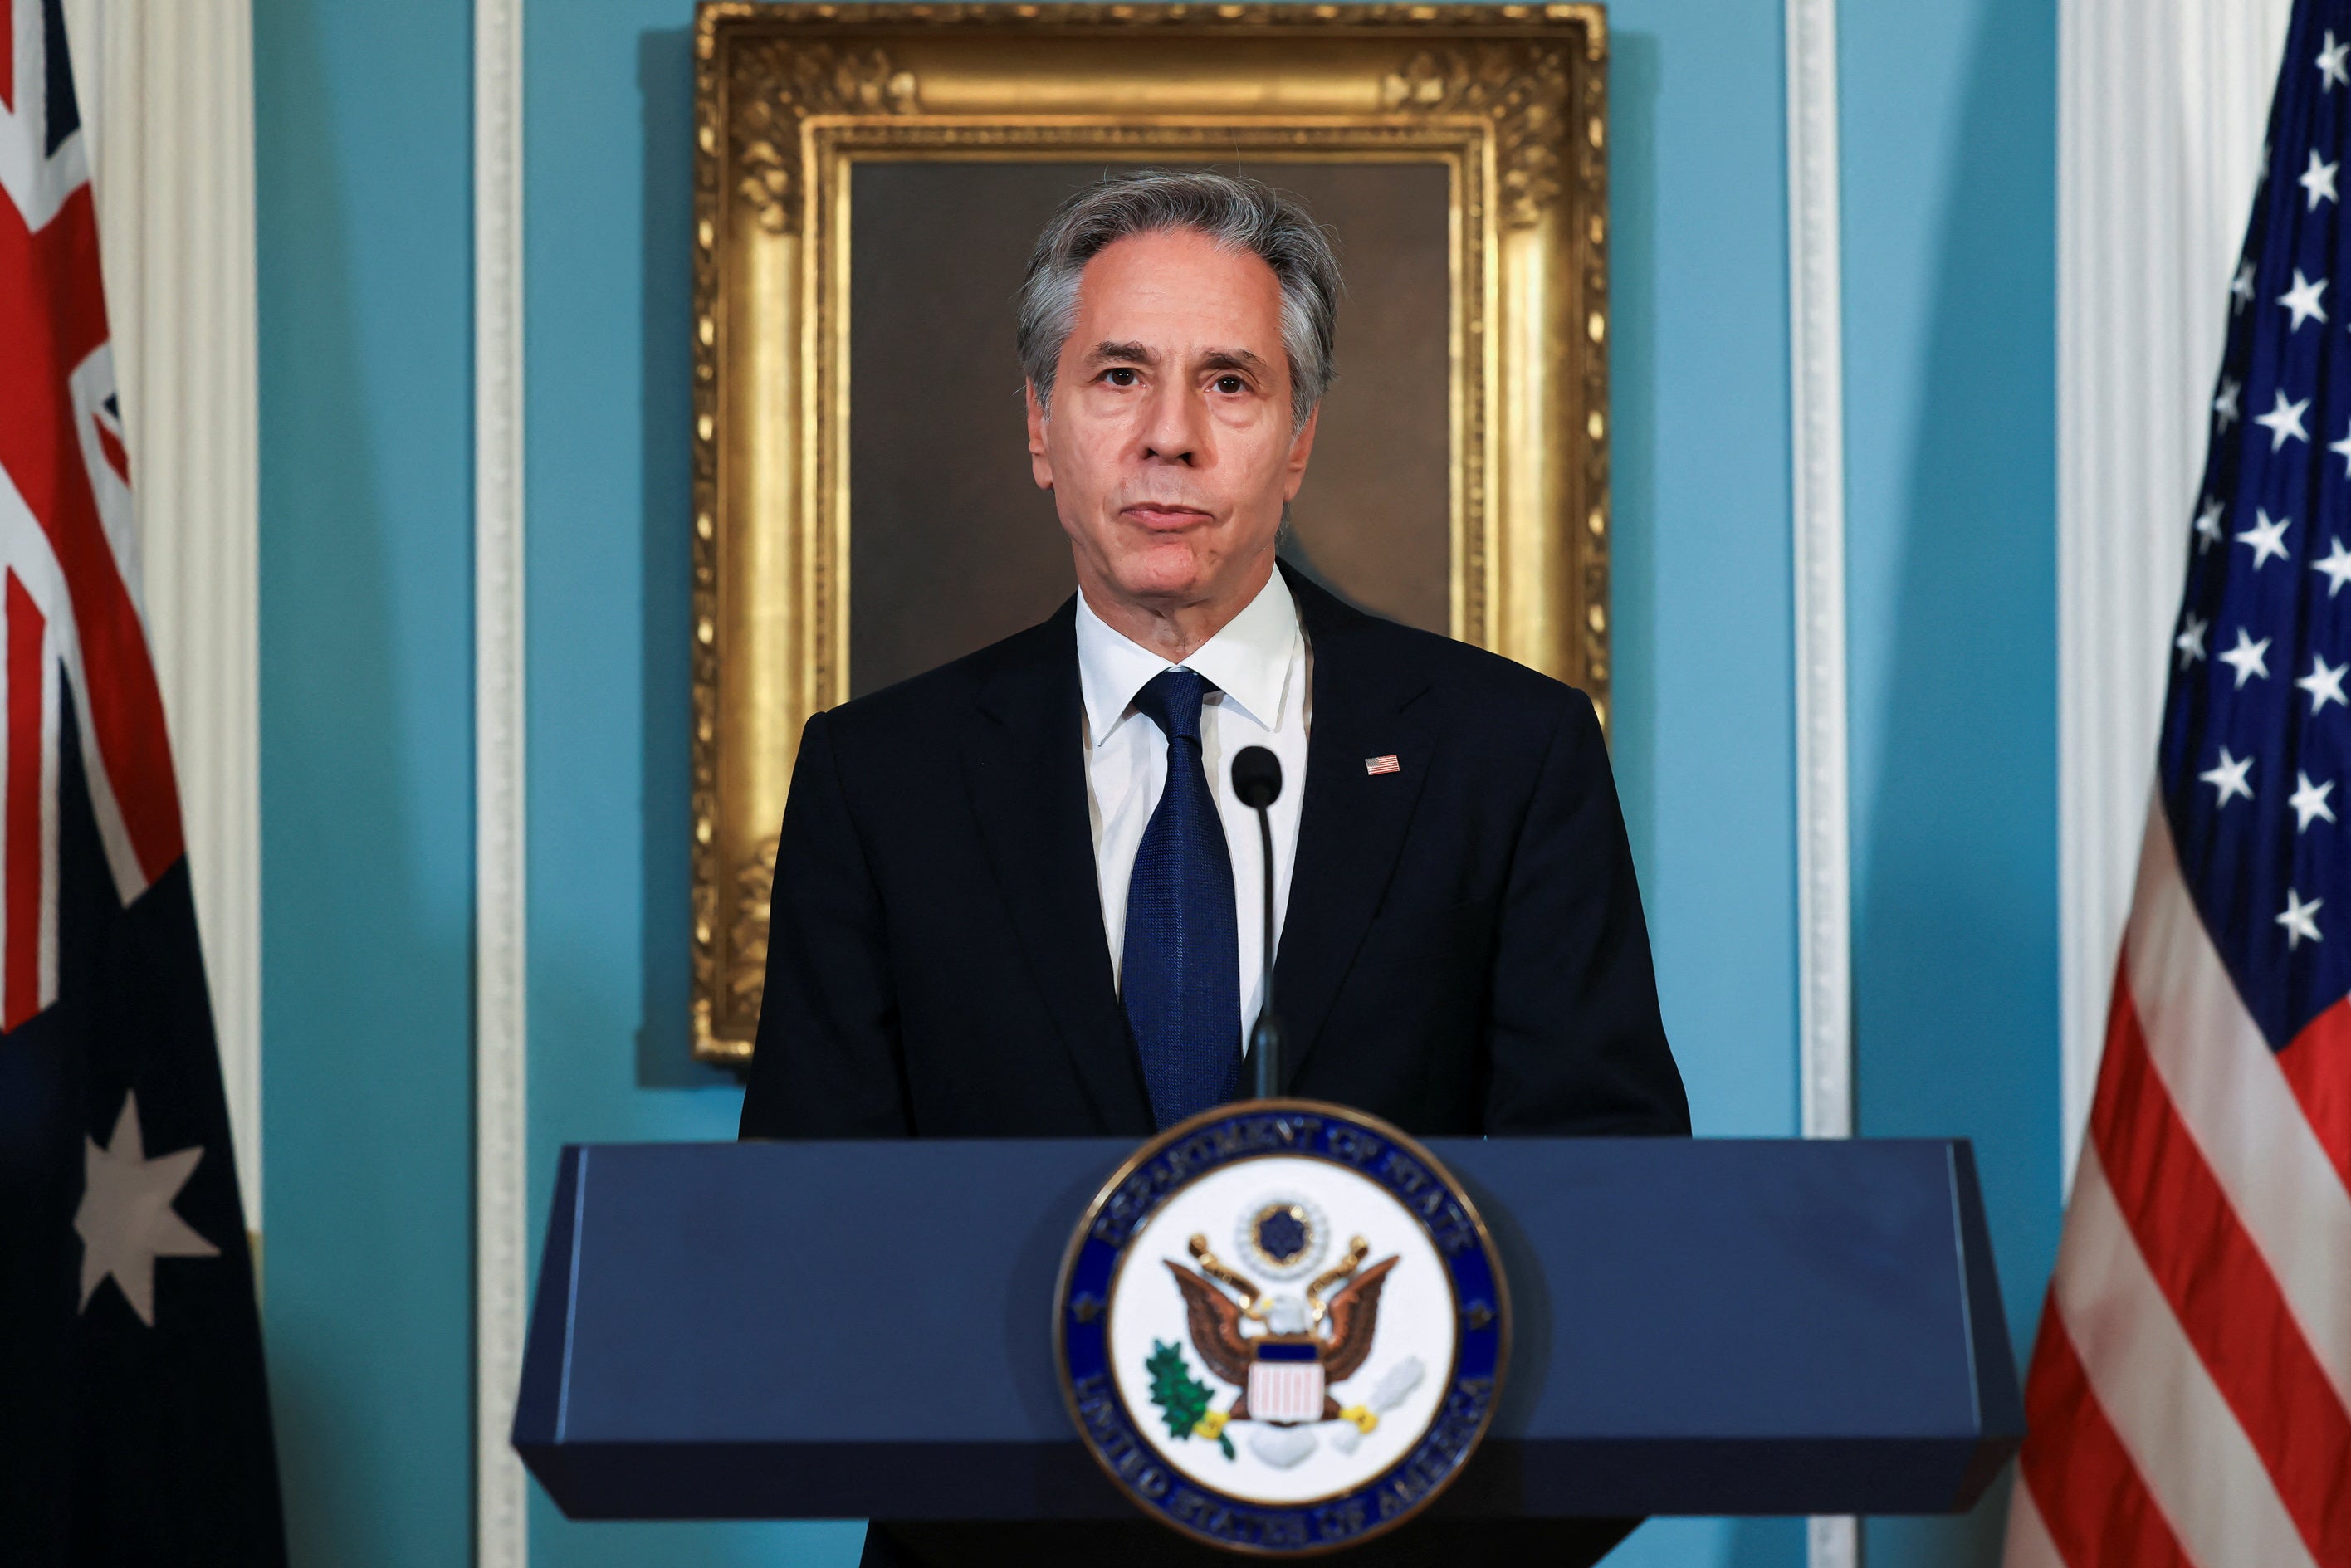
{"points": [[1352, 825], [1026, 772]]}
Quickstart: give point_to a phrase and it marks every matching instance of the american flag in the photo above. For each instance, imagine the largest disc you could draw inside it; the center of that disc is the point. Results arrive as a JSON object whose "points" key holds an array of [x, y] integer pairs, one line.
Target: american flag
{"points": [[2190, 1397], [135, 1423]]}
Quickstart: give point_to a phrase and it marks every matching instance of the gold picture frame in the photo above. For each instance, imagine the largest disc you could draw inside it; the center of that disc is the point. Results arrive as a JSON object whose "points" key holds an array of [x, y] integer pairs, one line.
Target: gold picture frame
{"points": [[1509, 100]]}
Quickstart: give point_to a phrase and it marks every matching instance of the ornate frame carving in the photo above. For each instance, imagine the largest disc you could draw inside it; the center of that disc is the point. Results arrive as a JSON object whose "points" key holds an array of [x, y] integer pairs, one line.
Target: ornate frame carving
{"points": [[1510, 99]]}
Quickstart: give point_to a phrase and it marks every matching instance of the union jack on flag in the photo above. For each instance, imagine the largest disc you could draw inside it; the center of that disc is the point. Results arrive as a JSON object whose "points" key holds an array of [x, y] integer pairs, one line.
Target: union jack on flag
{"points": [[135, 1426], [67, 543], [2189, 1397]]}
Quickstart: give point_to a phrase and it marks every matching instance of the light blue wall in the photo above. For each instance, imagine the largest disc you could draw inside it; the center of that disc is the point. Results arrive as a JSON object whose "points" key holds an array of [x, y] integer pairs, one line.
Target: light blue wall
{"points": [[365, 160], [1704, 743], [364, 126], [1951, 151], [608, 139], [1704, 712]]}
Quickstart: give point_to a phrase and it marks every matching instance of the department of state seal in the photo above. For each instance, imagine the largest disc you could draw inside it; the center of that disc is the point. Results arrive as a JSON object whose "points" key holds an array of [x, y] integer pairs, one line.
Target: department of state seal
{"points": [[1281, 1327]]}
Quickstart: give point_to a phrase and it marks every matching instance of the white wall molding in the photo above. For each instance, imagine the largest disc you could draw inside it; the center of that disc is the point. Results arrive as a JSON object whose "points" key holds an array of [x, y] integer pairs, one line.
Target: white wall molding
{"points": [[166, 91], [2162, 105], [1824, 846], [501, 1040], [1816, 354]]}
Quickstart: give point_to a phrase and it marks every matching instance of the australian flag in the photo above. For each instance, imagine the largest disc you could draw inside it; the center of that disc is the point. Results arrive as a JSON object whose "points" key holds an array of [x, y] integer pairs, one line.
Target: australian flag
{"points": [[134, 1420]]}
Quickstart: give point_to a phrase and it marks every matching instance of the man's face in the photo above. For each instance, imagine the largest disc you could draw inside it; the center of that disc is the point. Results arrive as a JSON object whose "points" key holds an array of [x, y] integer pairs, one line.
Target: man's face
{"points": [[1169, 449]]}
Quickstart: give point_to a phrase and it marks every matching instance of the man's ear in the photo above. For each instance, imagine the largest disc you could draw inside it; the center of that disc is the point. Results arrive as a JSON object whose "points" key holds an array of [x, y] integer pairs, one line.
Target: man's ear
{"points": [[1302, 447], [1041, 462]]}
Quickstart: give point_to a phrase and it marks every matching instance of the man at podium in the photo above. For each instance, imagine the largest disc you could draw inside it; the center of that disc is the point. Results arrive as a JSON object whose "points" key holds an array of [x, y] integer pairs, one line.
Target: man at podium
{"points": [[1019, 896]]}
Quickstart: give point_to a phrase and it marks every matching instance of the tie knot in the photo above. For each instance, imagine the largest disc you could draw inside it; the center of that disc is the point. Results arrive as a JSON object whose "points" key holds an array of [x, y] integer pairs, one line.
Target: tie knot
{"points": [[1171, 699]]}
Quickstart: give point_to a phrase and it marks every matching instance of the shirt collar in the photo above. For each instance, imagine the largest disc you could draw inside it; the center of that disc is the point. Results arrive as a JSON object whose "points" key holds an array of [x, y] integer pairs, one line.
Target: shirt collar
{"points": [[1248, 660]]}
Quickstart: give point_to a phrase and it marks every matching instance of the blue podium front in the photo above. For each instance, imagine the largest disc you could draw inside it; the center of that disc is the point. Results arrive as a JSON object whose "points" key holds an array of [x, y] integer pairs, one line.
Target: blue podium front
{"points": [[864, 1329]]}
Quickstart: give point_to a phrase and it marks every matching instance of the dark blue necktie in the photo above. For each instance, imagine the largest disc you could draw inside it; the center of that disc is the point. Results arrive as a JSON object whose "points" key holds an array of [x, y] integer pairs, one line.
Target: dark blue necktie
{"points": [[1181, 972]]}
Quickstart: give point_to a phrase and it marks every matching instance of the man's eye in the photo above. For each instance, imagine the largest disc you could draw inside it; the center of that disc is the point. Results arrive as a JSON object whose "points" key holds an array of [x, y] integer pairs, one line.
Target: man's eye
{"points": [[1119, 376], [1230, 385]]}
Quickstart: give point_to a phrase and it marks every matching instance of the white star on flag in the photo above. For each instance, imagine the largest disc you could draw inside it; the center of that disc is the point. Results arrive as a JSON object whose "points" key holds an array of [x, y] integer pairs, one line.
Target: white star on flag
{"points": [[2248, 658], [2309, 801], [2241, 288], [2229, 777], [2283, 420], [2343, 449], [2303, 299], [2190, 641], [2318, 180], [2325, 682], [2330, 63], [2225, 404], [2267, 538], [126, 1221], [2336, 566], [2297, 920], [2208, 526]]}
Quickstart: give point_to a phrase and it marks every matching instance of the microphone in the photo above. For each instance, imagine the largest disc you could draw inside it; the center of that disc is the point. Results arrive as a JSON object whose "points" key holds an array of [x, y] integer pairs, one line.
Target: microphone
{"points": [[1256, 782]]}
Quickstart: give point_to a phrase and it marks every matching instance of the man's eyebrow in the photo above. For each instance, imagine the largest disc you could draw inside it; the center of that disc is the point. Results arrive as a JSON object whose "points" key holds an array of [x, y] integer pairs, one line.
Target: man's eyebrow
{"points": [[1232, 359], [1121, 353]]}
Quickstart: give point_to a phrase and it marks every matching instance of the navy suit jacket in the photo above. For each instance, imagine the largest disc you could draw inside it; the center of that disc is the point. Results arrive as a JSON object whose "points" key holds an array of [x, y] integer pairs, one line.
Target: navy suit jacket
{"points": [[1463, 951]]}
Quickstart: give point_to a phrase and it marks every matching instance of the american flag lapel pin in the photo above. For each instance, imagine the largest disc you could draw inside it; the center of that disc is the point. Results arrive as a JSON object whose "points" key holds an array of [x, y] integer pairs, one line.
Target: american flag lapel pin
{"points": [[1379, 765]]}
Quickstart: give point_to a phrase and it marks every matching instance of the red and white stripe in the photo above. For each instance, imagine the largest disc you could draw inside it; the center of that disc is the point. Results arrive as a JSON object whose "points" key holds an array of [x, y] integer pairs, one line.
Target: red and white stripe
{"points": [[2189, 1397], [1285, 1390], [69, 618]]}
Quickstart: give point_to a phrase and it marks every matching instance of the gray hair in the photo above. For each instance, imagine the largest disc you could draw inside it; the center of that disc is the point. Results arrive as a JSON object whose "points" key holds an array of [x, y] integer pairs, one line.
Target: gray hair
{"points": [[1239, 214]]}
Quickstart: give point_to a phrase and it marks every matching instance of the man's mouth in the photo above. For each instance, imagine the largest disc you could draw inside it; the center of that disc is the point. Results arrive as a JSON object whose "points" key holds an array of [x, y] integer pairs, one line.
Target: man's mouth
{"points": [[1164, 514]]}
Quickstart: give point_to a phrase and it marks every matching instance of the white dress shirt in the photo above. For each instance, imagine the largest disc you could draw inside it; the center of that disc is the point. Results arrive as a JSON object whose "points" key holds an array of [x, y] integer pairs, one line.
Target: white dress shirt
{"points": [[1260, 665]]}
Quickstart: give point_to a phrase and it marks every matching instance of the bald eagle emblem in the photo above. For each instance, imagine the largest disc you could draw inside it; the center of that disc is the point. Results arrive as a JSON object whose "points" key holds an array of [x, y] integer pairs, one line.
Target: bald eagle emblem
{"points": [[1250, 1372], [1284, 1353]]}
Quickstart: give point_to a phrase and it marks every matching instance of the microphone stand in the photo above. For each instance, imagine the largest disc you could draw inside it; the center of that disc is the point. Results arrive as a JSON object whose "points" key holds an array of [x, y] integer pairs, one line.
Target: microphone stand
{"points": [[1256, 782], [1265, 1039]]}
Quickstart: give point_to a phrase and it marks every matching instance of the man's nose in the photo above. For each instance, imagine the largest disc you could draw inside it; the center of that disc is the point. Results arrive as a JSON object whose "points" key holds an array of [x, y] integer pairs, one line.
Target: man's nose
{"points": [[1172, 426]]}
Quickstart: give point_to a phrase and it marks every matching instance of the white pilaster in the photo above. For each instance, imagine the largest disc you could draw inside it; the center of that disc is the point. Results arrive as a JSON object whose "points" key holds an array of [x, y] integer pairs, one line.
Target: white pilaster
{"points": [[1823, 845], [500, 1036]]}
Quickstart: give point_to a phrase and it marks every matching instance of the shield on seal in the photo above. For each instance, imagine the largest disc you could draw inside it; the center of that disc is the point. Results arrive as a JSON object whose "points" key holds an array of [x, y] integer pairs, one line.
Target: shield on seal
{"points": [[1285, 1381]]}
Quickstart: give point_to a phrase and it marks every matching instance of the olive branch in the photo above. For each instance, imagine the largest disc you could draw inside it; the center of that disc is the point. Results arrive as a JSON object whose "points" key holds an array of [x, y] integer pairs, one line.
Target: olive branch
{"points": [[1183, 1399]]}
